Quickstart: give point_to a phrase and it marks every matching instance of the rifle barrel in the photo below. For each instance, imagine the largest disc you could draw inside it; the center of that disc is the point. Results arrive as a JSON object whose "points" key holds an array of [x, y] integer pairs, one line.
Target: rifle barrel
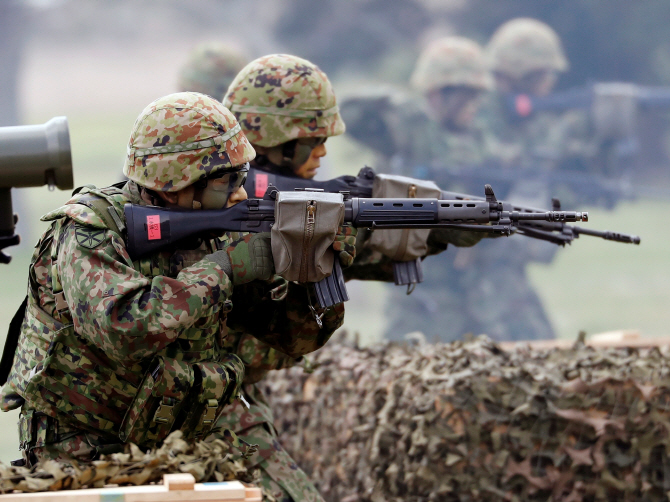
{"points": [[607, 235]]}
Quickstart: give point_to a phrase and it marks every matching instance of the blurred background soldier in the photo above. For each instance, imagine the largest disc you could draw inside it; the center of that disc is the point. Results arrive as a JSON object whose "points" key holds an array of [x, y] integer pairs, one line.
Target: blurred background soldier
{"points": [[420, 136], [525, 56], [210, 69]]}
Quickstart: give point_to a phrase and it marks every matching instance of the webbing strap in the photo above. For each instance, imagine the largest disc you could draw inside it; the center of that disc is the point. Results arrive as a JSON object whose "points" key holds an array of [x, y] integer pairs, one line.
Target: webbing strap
{"points": [[286, 112], [102, 207], [12, 341]]}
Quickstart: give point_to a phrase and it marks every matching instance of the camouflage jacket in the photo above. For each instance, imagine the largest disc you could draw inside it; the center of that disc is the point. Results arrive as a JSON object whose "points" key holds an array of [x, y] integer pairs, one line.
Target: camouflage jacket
{"points": [[272, 315], [119, 315]]}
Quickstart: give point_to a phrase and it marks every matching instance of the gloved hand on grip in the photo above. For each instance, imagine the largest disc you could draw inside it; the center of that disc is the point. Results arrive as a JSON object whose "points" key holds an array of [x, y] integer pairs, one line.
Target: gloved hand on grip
{"points": [[345, 245], [247, 259]]}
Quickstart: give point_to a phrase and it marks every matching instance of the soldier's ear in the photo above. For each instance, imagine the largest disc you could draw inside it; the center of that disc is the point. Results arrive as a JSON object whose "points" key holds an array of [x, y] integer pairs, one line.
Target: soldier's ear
{"points": [[169, 197]]}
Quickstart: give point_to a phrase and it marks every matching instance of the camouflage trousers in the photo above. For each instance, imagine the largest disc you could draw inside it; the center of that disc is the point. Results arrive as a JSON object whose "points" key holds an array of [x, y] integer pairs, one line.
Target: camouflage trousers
{"points": [[280, 475], [44, 438]]}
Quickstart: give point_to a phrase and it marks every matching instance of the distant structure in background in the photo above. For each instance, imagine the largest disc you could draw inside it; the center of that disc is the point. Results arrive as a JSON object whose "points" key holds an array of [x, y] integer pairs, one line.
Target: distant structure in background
{"points": [[12, 37], [210, 69]]}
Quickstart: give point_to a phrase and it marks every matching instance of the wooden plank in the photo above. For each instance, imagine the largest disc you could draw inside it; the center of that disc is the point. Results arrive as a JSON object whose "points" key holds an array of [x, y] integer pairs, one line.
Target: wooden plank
{"points": [[232, 491], [179, 482]]}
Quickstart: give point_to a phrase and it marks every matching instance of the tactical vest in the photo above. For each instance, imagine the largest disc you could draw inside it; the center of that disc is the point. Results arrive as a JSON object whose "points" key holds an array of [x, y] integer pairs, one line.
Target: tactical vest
{"points": [[59, 373]]}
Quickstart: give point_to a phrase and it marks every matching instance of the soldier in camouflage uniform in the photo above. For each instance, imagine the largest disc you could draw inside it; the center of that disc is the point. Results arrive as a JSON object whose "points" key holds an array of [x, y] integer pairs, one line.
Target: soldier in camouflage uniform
{"points": [[113, 350], [210, 69], [452, 77], [415, 134], [525, 56], [287, 108]]}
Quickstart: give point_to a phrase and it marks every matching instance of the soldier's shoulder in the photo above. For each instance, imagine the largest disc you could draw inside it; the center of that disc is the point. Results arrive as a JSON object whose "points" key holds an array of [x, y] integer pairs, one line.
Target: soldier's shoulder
{"points": [[89, 206]]}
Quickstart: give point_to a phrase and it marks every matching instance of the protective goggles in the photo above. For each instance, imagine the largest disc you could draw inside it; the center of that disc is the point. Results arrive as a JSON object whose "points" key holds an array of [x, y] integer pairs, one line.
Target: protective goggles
{"points": [[225, 181]]}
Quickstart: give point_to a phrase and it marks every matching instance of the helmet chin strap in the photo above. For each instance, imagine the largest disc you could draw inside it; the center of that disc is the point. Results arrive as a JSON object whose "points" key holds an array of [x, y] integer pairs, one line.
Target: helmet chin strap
{"points": [[289, 155]]}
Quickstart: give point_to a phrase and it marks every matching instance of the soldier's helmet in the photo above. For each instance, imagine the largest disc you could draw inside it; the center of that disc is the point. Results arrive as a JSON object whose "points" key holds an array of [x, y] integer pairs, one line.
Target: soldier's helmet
{"points": [[452, 62], [210, 69], [524, 45], [280, 98], [182, 138]]}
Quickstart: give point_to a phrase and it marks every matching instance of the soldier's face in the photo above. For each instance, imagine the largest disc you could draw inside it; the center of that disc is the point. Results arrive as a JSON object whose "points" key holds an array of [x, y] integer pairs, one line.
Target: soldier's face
{"points": [[185, 198], [309, 168], [455, 108]]}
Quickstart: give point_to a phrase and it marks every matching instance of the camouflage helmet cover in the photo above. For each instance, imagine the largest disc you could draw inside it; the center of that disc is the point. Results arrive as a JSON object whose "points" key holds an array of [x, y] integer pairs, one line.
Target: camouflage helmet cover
{"points": [[181, 138], [524, 45], [452, 61], [210, 69], [279, 98]]}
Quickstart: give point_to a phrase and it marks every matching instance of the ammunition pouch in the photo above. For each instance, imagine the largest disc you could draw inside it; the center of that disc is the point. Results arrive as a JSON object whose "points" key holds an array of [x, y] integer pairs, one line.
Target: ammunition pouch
{"points": [[305, 227], [177, 395], [402, 245], [160, 398], [215, 386], [78, 382]]}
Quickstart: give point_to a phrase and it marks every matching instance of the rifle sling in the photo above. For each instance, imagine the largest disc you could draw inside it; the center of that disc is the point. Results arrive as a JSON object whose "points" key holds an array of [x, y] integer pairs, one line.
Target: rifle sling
{"points": [[12, 341]]}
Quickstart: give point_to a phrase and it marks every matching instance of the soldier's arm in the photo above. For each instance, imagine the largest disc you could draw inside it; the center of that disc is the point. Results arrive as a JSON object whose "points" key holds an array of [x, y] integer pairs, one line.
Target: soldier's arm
{"points": [[288, 324], [122, 311]]}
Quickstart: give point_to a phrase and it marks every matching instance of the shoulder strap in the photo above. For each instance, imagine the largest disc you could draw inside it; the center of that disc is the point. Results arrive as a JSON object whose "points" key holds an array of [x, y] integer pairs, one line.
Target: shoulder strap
{"points": [[105, 211], [12, 341]]}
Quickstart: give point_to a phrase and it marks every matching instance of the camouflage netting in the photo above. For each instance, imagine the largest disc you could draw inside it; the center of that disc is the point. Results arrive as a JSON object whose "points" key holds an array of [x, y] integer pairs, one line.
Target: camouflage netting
{"points": [[206, 461], [468, 421]]}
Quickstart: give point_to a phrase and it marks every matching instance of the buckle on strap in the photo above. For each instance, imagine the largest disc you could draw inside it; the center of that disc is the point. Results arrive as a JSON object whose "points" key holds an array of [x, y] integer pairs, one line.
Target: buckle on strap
{"points": [[210, 412], [164, 412], [61, 304]]}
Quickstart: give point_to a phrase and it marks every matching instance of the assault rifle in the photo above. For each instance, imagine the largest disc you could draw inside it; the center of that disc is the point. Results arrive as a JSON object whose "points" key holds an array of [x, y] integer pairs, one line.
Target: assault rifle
{"points": [[410, 272], [523, 105], [31, 156], [557, 232], [153, 228]]}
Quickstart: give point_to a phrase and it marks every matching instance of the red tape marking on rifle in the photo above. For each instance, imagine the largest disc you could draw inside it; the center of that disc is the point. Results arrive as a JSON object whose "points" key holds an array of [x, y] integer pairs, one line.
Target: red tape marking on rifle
{"points": [[154, 227], [261, 184]]}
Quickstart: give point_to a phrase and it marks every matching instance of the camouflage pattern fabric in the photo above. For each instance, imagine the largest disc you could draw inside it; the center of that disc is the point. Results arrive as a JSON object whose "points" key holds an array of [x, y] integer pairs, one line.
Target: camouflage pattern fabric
{"points": [[181, 138], [548, 141], [279, 98], [345, 245], [279, 474], [256, 337], [179, 317], [210, 69], [210, 461], [452, 62], [523, 45], [470, 421]]}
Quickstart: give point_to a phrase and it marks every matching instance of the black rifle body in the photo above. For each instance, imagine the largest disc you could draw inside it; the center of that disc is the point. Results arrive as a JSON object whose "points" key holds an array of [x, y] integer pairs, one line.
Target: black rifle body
{"points": [[153, 228], [557, 232]]}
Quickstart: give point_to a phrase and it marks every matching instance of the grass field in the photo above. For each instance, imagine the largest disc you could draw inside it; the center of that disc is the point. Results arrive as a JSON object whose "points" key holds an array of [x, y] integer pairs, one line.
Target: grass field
{"points": [[592, 285]]}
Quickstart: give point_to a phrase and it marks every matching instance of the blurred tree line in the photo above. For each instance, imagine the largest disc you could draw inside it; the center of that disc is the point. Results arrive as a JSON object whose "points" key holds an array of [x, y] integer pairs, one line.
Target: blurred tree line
{"points": [[604, 39]]}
